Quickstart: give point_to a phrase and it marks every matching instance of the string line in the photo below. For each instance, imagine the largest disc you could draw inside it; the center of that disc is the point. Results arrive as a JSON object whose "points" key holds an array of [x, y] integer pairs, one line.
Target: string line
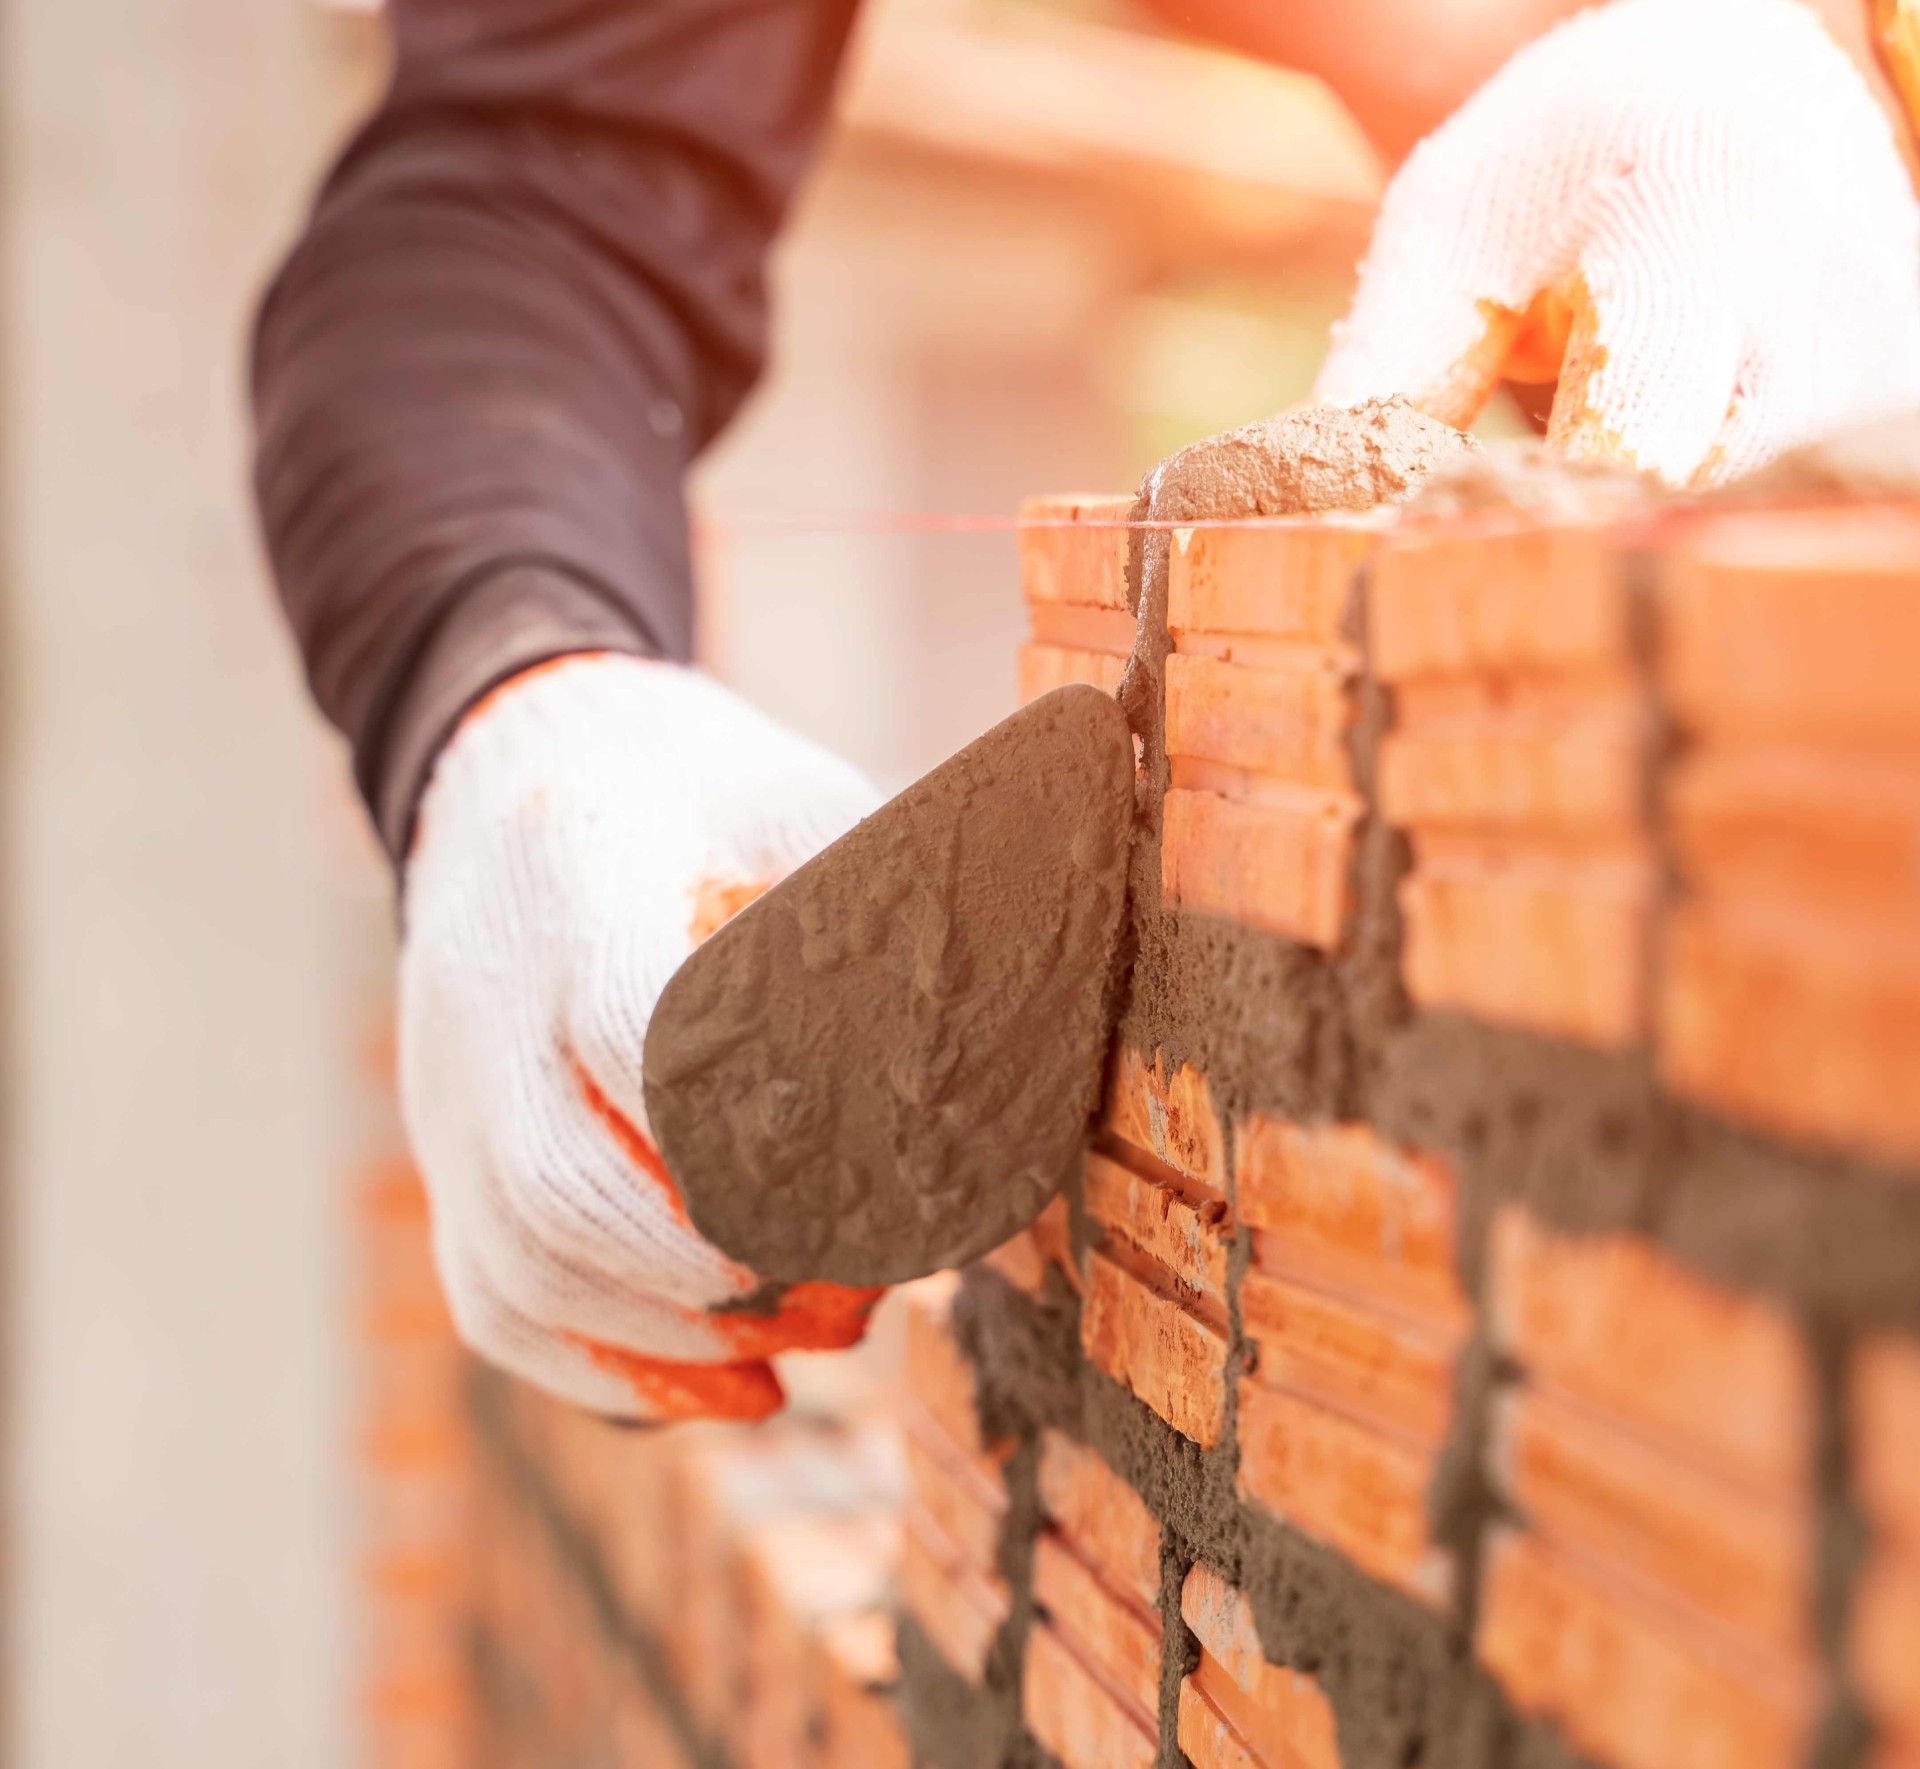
{"points": [[910, 522]]}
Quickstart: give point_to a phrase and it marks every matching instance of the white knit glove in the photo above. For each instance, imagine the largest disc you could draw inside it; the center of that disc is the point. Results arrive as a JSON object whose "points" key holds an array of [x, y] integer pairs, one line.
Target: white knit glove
{"points": [[1698, 200], [586, 825]]}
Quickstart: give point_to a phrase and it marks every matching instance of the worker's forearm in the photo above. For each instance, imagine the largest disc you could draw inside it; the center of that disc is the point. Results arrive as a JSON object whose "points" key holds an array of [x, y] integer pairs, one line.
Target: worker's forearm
{"points": [[532, 289]]}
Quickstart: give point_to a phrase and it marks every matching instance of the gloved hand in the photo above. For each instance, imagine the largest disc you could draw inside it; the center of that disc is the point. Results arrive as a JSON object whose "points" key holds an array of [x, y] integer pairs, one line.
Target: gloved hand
{"points": [[587, 824], [1697, 202]]}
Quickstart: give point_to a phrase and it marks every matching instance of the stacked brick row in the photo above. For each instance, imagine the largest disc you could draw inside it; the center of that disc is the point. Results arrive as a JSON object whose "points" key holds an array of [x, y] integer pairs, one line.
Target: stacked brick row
{"points": [[1494, 1276], [1514, 765], [1791, 994], [1653, 1590], [700, 1595]]}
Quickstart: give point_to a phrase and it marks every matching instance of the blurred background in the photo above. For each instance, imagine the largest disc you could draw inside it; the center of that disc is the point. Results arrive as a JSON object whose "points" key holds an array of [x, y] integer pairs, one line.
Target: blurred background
{"points": [[1048, 243]]}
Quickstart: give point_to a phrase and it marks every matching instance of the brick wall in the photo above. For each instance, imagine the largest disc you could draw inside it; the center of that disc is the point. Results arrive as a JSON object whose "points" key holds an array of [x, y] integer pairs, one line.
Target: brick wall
{"points": [[1485, 1328]]}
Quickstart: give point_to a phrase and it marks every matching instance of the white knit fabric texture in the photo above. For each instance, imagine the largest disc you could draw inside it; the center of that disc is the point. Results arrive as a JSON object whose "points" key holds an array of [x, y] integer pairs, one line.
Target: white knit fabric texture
{"points": [[564, 835], [1722, 176]]}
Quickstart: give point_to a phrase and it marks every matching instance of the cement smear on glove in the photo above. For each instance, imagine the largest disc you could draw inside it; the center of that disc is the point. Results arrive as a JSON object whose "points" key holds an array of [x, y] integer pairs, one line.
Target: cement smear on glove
{"points": [[887, 1064], [1309, 462]]}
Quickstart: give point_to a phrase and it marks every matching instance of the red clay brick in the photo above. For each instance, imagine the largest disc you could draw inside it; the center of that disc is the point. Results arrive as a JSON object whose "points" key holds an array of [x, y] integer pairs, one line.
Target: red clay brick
{"points": [[951, 1492], [1509, 934], [1019, 1261], [1170, 1116], [1629, 1686], [1891, 1751], [1205, 1737], [1337, 1203], [1081, 1717], [1279, 863], [1808, 1025], [641, 1733], [1287, 579], [1074, 549], [1107, 631], [1278, 1715], [1519, 760], [1043, 668], [1168, 1356], [1189, 1238], [936, 1375], [1833, 831], [1290, 721], [1884, 1406], [1362, 1490], [859, 1725], [783, 1696], [1802, 622], [1024, 1259], [1107, 1522], [1883, 1647], [1712, 1373], [1390, 1371], [415, 1648], [1743, 1557], [1498, 598], [958, 1607], [799, 1574], [1112, 1633]]}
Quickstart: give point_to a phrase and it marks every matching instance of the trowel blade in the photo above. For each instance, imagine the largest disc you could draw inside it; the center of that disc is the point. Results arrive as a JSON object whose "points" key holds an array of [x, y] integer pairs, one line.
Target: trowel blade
{"points": [[886, 1065]]}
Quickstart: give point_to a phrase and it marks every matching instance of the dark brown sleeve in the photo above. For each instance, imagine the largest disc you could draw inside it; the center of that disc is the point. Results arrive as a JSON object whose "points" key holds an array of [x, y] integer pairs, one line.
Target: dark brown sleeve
{"points": [[529, 292]]}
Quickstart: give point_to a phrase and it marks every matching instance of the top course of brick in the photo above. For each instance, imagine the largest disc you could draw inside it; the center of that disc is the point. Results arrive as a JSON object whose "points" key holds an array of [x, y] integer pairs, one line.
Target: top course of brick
{"points": [[1659, 778]]}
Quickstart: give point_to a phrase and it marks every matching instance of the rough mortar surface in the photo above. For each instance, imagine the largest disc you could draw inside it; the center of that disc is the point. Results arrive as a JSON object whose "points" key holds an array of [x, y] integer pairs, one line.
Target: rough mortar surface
{"points": [[1305, 463], [886, 1065]]}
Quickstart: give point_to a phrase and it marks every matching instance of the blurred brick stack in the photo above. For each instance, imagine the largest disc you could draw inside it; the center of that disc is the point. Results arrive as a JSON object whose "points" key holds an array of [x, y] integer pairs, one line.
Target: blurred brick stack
{"points": [[543, 1588], [416, 1517], [1485, 1326]]}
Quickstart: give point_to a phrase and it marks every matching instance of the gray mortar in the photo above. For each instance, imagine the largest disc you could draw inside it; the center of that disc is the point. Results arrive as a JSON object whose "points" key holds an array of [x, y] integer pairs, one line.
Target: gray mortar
{"points": [[1402, 1682], [1179, 1650], [948, 1724], [886, 1065]]}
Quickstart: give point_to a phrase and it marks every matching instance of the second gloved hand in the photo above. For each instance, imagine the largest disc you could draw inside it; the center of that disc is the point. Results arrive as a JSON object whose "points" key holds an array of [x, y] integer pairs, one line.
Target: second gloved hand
{"points": [[588, 824], [1698, 202]]}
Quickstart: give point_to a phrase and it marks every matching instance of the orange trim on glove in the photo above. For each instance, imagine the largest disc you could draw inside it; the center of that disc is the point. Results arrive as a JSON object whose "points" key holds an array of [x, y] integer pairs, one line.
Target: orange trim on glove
{"points": [[672, 1390]]}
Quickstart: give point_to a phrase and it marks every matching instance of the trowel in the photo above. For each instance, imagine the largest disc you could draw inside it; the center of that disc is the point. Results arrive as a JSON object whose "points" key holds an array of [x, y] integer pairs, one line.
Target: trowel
{"points": [[886, 1065]]}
